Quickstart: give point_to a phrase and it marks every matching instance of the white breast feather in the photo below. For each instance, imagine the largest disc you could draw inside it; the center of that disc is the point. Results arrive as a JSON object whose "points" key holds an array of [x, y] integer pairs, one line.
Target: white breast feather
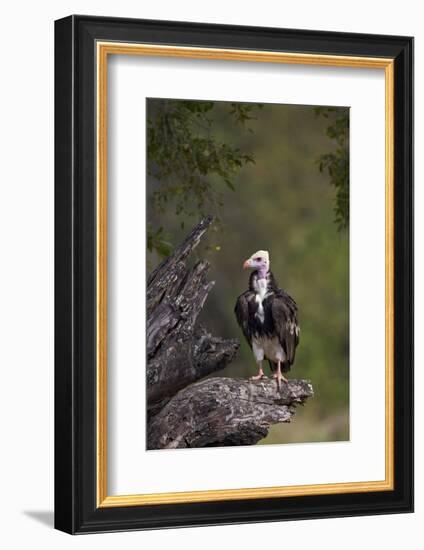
{"points": [[261, 288]]}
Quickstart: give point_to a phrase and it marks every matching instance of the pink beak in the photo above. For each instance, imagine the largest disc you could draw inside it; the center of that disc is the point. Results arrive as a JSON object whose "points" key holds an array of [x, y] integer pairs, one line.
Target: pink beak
{"points": [[246, 264]]}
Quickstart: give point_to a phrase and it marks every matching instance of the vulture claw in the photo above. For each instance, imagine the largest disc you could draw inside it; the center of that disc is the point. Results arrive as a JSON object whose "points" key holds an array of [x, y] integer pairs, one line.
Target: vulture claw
{"points": [[258, 377]]}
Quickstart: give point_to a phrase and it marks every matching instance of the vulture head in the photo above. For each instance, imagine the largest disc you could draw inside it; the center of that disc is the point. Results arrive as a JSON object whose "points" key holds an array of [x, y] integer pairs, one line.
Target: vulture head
{"points": [[259, 260]]}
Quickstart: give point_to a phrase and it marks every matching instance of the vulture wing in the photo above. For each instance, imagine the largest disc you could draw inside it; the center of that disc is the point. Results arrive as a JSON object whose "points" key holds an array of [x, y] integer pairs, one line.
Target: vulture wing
{"points": [[284, 314], [242, 314]]}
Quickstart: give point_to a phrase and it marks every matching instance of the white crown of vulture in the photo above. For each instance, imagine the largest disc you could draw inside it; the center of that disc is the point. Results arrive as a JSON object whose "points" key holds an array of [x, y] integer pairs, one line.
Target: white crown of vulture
{"points": [[261, 254]]}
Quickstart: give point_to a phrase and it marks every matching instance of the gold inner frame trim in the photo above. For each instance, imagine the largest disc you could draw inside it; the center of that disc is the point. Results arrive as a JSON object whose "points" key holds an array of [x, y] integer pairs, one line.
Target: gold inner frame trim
{"points": [[103, 50]]}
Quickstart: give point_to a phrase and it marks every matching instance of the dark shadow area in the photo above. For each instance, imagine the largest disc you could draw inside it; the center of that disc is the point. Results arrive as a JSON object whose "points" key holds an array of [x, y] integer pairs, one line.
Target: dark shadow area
{"points": [[42, 516]]}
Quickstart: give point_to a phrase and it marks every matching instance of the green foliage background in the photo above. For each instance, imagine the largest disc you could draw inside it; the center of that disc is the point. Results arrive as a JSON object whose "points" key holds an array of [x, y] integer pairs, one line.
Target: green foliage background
{"points": [[288, 194]]}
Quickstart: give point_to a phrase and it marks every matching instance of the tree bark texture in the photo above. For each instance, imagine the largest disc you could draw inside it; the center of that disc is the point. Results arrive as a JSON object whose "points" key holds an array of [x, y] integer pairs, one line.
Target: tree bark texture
{"points": [[186, 412]]}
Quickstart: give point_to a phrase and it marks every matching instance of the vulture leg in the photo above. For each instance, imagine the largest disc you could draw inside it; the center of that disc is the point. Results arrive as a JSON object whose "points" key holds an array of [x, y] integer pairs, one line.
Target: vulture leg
{"points": [[279, 376], [260, 373]]}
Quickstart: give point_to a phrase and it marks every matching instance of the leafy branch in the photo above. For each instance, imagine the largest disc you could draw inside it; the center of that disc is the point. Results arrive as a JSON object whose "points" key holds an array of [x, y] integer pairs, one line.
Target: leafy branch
{"points": [[189, 160], [336, 163]]}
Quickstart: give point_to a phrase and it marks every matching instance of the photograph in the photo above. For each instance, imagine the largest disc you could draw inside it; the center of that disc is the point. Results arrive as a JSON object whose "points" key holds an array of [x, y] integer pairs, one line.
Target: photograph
{"points": [[247, 273], [233, 274]]}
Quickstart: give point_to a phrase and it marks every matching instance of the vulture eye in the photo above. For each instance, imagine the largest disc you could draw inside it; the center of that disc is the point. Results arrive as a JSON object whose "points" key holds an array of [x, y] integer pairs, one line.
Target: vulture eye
{"points": [[259, 259]]}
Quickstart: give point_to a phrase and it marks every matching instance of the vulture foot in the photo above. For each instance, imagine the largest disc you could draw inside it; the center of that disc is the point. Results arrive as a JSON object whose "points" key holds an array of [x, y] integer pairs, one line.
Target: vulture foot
{"points": [[260, 376], [279, 377]]}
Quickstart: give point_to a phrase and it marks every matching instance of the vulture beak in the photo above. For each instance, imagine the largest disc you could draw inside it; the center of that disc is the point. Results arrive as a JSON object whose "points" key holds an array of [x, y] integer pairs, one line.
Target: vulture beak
{"points": [[246, 264]]}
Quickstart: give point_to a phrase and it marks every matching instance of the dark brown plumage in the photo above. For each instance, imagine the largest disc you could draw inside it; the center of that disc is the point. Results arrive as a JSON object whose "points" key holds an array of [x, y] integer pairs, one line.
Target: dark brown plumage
{"points": [[267, 317]]}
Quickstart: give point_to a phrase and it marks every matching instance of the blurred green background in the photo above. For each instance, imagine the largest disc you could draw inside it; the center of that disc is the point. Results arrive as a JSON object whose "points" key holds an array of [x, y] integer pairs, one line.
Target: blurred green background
{"points": [[276, 199]]}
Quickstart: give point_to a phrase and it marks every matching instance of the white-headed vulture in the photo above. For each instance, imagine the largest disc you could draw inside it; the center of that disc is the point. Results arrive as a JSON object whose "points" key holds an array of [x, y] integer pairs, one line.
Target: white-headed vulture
{"points": [[267, 316]]}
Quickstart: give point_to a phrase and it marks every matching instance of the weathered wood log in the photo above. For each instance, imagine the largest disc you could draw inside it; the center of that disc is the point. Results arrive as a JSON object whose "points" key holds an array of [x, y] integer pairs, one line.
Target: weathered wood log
{"points": [[186, 412], [225, 411], [178, 351]]}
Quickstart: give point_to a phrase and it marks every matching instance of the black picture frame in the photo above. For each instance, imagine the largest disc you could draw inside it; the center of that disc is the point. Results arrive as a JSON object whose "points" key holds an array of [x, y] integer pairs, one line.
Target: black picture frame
{"points": [[76, 510]]}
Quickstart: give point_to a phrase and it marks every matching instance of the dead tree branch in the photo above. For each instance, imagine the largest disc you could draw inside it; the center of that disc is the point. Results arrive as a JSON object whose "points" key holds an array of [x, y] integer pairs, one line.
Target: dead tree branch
{"points": [[225, 411], [178, 351]]}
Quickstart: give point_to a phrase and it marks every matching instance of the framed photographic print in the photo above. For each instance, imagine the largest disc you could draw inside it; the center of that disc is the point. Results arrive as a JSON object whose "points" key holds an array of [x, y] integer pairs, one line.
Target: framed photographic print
{"points": [[234, 269]]}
